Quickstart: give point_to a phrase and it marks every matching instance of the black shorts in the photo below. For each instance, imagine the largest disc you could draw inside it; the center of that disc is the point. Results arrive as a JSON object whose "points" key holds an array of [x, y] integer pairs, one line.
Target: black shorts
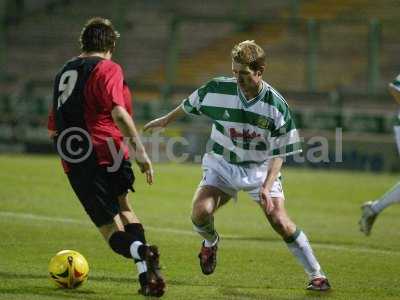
{"points": [[98, 190]]}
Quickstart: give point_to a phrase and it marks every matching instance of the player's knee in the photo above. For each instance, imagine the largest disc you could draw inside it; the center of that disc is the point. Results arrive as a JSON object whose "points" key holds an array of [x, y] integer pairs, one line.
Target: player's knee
{"points": [[199, 217], [281, 225], [201, 212]]}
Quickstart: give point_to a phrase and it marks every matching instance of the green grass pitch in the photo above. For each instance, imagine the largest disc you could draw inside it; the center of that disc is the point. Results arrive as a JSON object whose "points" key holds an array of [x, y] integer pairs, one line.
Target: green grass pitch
{"points": [[39, 216]]}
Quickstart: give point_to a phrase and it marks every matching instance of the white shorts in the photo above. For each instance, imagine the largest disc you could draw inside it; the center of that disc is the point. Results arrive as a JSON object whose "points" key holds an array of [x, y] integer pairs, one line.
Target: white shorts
{"points": [[231, 178]]}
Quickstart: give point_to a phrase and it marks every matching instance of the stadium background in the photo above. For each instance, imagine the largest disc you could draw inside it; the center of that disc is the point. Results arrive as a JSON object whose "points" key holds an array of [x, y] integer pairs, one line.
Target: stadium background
{"points": [[332, 60]]}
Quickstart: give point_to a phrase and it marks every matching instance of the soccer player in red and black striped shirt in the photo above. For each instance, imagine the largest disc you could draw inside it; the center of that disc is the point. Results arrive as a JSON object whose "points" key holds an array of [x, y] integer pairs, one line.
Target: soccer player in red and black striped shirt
{"points": [[90, 116]]}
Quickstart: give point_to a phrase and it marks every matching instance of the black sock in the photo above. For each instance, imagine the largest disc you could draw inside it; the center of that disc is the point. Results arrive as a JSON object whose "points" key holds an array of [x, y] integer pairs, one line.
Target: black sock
{"points": [[137, 230], [120, 242], [141, 276], [143, 279], [142, 250]]}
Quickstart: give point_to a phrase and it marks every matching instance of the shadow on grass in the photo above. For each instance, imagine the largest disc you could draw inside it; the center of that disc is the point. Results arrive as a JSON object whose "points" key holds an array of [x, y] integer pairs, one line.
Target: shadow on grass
{"points": [[237, 291], [265, 293], [251, 239], [231, 291], [21, 276], [53, 290], [47, 291]]}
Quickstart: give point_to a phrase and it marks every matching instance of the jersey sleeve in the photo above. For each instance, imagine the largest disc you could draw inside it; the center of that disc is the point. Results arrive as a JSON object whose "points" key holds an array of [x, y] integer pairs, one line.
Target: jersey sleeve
{"points": [[109, 81], [285, 139], [192, 104]]}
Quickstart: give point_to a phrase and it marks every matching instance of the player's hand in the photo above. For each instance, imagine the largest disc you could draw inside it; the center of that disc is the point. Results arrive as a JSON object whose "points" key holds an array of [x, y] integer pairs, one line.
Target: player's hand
{"points": [[52, 133], [266, 200], [145, 166], [157, 123]]}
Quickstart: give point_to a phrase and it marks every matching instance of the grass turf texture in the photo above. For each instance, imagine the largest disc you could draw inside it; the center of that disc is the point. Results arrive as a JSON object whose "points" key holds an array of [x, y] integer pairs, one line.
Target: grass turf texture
{"points": [[39, 216]]}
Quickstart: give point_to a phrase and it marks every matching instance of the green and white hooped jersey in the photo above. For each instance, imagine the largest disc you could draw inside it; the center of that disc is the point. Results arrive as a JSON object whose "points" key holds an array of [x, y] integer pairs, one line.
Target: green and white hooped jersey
{"points": [[245, 131], [396, 84]]}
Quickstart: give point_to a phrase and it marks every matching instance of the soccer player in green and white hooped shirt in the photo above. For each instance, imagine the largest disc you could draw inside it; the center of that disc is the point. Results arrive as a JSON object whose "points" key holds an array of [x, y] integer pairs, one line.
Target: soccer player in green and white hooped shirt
{"points": [[371, 209], [252, 131]]}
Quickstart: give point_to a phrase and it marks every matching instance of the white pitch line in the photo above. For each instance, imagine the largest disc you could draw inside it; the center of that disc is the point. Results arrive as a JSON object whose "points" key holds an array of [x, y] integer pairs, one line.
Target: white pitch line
{"points": [[26, 216], [41, 218]]}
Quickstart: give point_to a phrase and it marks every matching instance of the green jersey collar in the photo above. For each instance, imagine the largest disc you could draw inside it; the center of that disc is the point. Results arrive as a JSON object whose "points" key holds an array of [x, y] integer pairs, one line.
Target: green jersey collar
{"points": [[261, 95]]}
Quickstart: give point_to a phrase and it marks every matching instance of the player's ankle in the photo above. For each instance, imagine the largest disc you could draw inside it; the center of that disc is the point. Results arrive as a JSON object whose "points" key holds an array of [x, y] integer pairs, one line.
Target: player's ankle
{"points": [[138, 250], [211, 242]]}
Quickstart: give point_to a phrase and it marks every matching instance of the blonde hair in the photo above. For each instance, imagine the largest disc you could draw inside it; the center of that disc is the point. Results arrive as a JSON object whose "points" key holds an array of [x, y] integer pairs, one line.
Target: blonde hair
{"points": [[250, 54]]}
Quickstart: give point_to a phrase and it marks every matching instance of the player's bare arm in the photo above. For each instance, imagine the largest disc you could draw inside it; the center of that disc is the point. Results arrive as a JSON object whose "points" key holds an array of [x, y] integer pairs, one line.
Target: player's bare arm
{"points": [[273, 172], [163, 121], [127, 126], [51, 126]]}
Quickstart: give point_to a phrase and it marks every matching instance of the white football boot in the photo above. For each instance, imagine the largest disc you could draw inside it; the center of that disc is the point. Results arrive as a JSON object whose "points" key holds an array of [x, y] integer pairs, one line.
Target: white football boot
{"points": [[368, 217]]}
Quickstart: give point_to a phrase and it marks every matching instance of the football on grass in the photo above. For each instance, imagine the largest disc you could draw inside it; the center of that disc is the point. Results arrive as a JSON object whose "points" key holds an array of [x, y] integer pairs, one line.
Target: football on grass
{"points": [[68, 269]]}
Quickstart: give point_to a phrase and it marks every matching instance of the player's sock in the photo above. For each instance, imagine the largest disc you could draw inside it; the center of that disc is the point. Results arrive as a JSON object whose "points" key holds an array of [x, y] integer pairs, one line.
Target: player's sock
{"points": [[142, 269], [393, 196], [125, 244], [210, 244], [137, 249], [137, 230], [207, 231], [299, 245]]}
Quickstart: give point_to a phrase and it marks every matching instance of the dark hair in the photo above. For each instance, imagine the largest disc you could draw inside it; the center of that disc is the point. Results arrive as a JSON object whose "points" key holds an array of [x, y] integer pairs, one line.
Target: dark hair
{"points": [[98, 35], [250, 54]]}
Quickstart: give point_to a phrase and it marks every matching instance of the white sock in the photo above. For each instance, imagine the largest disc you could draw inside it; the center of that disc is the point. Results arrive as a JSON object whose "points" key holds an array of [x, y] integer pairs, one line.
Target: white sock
{"points": [[392, 196], [207, 231], [301, 249], [141, 266], [134, 249], [211, 243], [142, 269]]}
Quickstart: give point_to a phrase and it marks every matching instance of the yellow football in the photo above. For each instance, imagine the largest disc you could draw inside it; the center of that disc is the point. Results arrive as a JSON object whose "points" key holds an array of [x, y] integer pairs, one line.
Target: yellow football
{"points": [[68, 269]]}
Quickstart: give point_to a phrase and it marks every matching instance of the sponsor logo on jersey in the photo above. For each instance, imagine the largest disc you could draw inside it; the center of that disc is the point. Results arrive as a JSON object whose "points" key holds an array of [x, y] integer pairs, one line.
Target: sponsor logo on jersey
{"points": [[246, 135], [263, 122]]}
